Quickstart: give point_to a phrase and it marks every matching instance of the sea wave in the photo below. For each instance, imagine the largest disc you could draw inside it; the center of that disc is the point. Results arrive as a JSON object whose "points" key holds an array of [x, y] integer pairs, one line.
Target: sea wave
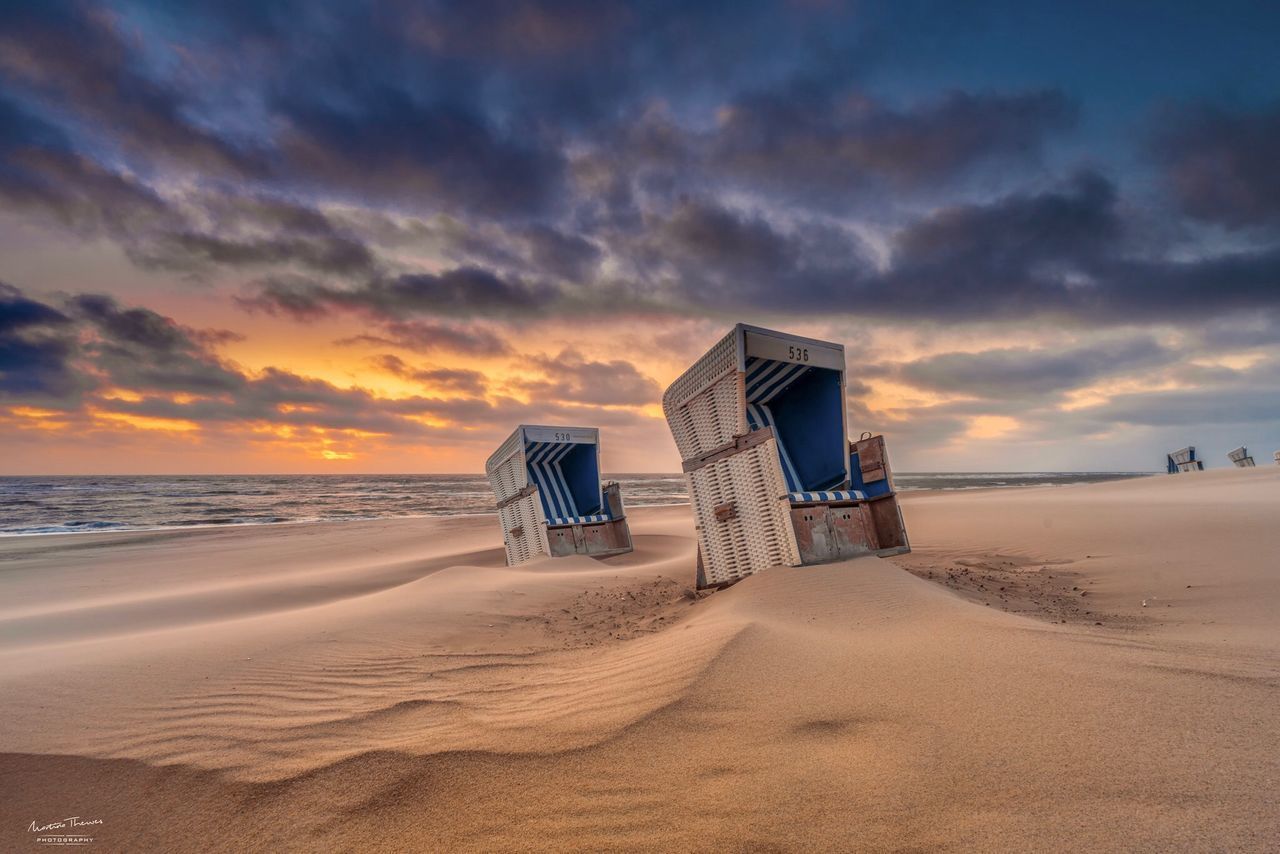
{"points": [[32, 506]]}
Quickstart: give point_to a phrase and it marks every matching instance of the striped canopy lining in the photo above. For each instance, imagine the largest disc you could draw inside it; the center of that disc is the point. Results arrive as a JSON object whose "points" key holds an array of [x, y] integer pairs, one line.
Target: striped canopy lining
{"points": [[766, 379], [543, 460], [828, 495]]}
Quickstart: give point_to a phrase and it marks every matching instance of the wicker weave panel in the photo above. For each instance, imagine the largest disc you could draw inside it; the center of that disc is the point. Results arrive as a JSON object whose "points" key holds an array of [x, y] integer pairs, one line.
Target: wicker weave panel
{"points": [[509, 477], [703, 406], [526, 514], [758, 534], [711, 419], [513, 443]]}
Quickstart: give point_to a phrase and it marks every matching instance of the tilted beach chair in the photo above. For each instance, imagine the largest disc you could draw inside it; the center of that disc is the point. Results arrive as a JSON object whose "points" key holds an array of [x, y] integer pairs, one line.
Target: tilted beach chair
{"points": [[550, 499], [774, 480], [1183, 460], [1240, 457]]}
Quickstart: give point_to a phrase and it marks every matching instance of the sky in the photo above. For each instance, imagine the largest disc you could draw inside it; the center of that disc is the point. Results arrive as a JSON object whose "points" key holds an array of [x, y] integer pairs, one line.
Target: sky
{"points": [[245, 237]]}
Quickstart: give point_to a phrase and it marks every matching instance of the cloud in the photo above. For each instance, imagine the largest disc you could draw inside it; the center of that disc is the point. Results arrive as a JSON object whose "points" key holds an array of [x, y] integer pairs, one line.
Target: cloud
{"points": [[35, 348], [140, 350], [1252, 404], [1064, 252], [829, 142], [1021, 254], [249, 230], [39, 172], [96, 359], [1220, 164], [570, 377], [198, 232], [81, 57], [710, 256], [460, 291], [1025, 373], [195, 251], [441, 156], [430, 337], [565, 256], [441, 379]]}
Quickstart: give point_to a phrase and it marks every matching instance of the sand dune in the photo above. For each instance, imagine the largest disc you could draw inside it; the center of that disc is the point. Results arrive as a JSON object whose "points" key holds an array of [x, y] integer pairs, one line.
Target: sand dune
{"points": [[391, 685]]}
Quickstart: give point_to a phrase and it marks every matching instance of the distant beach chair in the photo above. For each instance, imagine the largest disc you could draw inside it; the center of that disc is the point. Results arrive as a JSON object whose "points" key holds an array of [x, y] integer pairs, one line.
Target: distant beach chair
{"points": [[1276, 456], [774, 481], [550, 498], [1184, 460], [1240, 457]]}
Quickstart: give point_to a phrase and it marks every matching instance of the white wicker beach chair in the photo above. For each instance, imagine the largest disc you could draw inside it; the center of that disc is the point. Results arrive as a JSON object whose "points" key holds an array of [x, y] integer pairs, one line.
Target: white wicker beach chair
{"points": [[550, 498], [774, 481], [1184, 460], [1240, 458]]}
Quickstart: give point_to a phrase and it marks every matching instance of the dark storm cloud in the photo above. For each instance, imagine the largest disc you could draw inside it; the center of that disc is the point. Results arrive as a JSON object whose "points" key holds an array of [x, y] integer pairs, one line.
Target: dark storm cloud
{"points": [[1062, 252], [820, 141], [441, 156], [81, 57], [35, 348], [252, 230], [1021, 372], [1015, 256], [643, 156], [138, 349], [196, 251], [570, 377], [423, 336], [1221, 164], [461, 291], [1065, 251], [1234, 332], [565, 256], [818, 145], [39, 172], [709, 255]]}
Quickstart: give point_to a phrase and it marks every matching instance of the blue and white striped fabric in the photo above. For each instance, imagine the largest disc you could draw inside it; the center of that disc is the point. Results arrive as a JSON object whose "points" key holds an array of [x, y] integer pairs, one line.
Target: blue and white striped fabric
{"points": [[831, 495], [543, 460], [577, 520], [766, 378]]}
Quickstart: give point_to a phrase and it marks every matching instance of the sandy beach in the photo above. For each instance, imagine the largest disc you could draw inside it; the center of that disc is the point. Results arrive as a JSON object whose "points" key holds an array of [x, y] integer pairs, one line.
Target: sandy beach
{"points": [[1091, 667]]}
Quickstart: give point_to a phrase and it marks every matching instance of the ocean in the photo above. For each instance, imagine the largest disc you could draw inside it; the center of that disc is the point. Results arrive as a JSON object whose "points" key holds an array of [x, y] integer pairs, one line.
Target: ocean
{"points": [[58, 505]]}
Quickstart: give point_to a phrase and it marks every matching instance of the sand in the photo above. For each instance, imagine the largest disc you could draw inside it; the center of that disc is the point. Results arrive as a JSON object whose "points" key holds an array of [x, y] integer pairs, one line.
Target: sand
{"points": [[392, 686]]}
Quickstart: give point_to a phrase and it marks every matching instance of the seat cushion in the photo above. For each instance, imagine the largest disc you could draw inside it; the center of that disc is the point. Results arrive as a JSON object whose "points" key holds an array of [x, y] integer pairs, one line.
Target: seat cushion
{"points": [[576, 520], [827, 495]]}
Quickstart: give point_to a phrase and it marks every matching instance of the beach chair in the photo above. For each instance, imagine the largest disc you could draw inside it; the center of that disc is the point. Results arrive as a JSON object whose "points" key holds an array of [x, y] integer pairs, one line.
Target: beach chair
{"points": [[1184, 460], [550, 498], [1240, 458], [1276, 456], [774, 480]]}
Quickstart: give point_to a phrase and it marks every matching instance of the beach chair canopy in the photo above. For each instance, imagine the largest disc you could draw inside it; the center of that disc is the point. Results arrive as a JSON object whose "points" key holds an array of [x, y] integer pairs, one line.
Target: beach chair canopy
{"points": [[1240, 457], [1183, 460], [792, 386], [563, 463]]}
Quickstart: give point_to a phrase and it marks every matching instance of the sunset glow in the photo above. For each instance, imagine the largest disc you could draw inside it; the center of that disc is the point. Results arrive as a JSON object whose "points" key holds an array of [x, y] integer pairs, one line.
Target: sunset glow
{"points": [[259, 265]]}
